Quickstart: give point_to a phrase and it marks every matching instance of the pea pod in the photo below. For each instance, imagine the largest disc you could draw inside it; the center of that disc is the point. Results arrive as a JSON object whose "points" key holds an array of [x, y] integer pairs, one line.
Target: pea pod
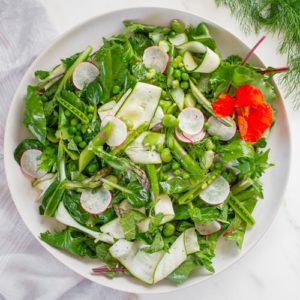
{"points": [[241, 210], [74, 110], [86, 154], [130, 138], [152, 175], [170, 69]]}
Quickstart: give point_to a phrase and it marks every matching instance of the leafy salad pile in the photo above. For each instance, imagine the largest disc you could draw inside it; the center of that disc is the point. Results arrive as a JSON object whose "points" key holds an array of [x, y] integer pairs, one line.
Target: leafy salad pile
{"points": [[149, 150]]}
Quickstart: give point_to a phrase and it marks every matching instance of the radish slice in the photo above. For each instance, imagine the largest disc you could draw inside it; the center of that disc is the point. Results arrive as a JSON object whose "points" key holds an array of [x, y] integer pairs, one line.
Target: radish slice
{"points": [[30, 162], [156, 57], [208, 228], [84, 74], [178, 96], [181, 137], [217, 192], [191, 120], [194, 46], [223, 132], [179, 39], [106, 109], [189, 62], [95, 202], [119, 131], [210, 62], [195, 138]]}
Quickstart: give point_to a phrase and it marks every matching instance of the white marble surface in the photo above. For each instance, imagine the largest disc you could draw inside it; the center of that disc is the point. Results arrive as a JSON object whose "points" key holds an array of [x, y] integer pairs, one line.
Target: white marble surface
{"points": [[272, 269]]}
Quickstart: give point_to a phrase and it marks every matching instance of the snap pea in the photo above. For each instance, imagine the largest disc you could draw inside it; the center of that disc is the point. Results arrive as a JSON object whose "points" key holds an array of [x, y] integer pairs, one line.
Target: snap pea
{"points": [[74, 110], [170, 69], [241, 210], [152, 175]]}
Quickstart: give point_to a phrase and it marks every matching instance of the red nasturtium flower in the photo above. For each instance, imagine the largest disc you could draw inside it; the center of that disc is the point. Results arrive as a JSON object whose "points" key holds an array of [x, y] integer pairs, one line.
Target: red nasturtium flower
{"points": [[254, 116]]}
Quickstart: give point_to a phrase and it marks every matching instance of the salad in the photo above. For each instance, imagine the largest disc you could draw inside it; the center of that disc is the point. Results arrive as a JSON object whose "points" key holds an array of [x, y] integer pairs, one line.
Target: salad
{"points": [[149, 150]]}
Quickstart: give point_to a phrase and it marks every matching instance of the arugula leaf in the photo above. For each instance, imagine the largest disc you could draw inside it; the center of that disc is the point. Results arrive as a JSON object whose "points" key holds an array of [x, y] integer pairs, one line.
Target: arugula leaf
{"points": [[68, 62], [25, 145], [139, 71], [139, 43], [157, 244], [41, 74], [139, 196], [128, 221], [155, 222], [203, 215], [181, 212], [48, 157], [34, 118], [175, 185], [182, 273], [72, 241]]}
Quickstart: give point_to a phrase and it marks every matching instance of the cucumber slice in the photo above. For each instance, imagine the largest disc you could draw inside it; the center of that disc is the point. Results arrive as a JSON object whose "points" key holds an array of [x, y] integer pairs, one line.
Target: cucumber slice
{"points": [[125, 206], [143, 226], [159, 114], [171, 260], [217, 192], [179, 39], [189, 100], [164, 205], [194, 47], [178, 96], [106, 109], [139, 263], [142, 154], [141, 104], [191, 241], [63, 216], [189, 62], [210, 62], [113, 228]]}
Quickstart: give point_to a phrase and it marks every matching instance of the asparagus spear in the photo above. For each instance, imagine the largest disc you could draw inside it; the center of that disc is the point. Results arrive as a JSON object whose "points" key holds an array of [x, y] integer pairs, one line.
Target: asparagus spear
{"points": [[154, 186]]}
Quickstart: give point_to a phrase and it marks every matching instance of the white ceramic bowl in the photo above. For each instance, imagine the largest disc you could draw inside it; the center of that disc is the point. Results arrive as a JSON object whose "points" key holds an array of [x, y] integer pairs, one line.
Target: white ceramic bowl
{"points": [[91, 32]]}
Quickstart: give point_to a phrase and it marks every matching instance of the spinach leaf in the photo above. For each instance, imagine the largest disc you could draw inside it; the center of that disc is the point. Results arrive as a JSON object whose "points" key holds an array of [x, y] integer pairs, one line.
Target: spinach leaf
{"points": [[41, 74], [203, 215], [72, 241], [34, 118], [102, 252], [68, 62], [128, 221], [175, 185], [182, 273], [25, 145], [157, 244], [94, 92], [181, 212], [48, 157], [139, 196]]}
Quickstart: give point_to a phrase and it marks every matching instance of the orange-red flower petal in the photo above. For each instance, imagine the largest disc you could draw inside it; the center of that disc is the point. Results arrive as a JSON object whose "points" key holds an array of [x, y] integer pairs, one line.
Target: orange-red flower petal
{"points": [[248, 95], [253, 126], [224, 105]]}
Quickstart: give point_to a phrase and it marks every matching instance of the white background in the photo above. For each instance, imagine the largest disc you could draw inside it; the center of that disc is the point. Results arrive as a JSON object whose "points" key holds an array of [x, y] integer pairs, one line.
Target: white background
{"points": [[272, 269]]}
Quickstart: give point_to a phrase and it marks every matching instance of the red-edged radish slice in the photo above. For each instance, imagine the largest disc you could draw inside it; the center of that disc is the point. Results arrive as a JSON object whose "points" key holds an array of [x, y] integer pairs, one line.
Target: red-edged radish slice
{"points": [[30, 161], [189, 62], [191, 120], [179, 39], [195, 138], [95, 202], [181, 137], [208, 228], [193, 46], [210, 62], [119, 131], [217, 192], [223, 132], [156, 57], [84, 74]]}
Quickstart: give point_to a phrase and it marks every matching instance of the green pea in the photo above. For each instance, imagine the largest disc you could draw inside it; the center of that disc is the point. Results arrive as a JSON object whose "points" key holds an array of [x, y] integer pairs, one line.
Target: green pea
{"points": [[172, 33], [182, 69], [175, 64], [177, 74], [170, 121], [78, 126], [74, 121], [185, 76], [184, 85], [177, 26], [90, 108], [175, 84], [166, 155], [116, 89], [163, 94], [177, 172], [168, 229], [92, 168], [186, 175], [205, 126], [178, 59], [175, 165], [90, 117], [128, 122], [159, 148], [82, 144], [77, 139], [68, 113], [84, 128], [72, 129], [111, 178], [181, 65]]}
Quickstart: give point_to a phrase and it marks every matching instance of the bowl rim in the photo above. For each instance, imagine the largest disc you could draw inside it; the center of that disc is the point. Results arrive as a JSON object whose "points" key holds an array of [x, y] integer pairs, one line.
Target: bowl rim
{"points": [[59, 38]]}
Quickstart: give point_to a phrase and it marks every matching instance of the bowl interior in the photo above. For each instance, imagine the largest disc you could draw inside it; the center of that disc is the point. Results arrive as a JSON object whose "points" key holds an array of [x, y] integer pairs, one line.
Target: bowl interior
{"points": [[91, 33]]}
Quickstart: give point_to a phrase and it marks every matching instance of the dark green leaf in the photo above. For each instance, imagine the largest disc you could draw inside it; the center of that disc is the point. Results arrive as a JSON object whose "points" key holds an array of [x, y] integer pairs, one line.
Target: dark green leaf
{"points": [[157, 245], [68, 62], [102, 252], [41, 74], [48, 157], [25, 145], [175, 185], [205, 214], [94, 92], [139, 196], [128, 221]]}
